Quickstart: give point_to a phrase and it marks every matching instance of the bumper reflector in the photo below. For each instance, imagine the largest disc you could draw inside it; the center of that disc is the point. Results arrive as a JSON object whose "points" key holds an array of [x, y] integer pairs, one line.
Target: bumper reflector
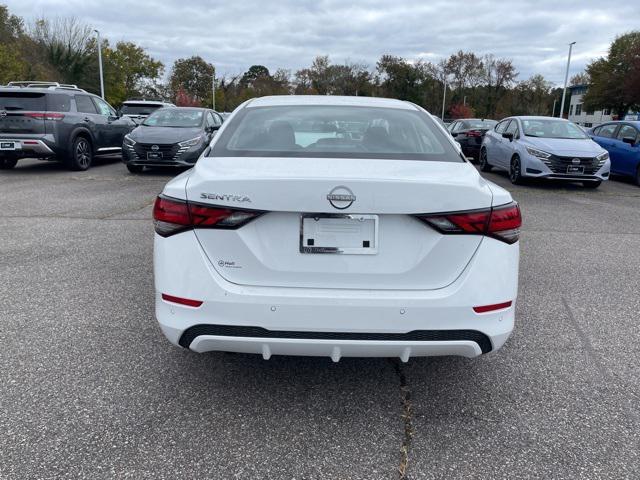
{"points": [[181, 301], [491, 308]]}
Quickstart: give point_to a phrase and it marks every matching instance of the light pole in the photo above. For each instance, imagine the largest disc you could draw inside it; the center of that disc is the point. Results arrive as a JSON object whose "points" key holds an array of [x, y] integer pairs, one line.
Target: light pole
{"points": [[213, 89], [100, 64], [444, 97], [566, 77]]}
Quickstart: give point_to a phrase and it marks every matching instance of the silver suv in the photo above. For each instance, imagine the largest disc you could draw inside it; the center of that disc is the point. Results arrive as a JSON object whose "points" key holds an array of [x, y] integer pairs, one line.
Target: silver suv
{"points": [[138, 110]]}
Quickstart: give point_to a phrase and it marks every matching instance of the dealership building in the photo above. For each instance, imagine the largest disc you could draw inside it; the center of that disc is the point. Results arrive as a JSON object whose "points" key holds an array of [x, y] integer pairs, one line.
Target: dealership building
{"points": [[590, 118]]}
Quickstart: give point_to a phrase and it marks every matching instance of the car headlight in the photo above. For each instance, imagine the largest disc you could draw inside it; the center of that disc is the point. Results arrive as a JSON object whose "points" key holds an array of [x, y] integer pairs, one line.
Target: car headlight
{"points": [[191, 143], [603, 156], [538, 153], [129, 141]]}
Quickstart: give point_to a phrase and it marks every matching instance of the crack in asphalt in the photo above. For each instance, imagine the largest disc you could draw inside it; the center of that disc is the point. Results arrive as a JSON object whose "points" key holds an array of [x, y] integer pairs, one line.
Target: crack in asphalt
{"points": [[407, 420], [605, 375]]}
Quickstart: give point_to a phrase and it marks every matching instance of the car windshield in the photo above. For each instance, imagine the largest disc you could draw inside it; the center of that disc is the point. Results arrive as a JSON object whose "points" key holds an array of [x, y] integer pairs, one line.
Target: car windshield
{"points": [[174, 117], [336, 131], [481, 123], [138, 108], [552, 129]]}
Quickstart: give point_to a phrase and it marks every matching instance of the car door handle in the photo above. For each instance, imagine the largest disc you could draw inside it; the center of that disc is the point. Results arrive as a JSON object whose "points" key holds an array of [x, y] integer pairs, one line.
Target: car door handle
{"points": [[87, 119]]}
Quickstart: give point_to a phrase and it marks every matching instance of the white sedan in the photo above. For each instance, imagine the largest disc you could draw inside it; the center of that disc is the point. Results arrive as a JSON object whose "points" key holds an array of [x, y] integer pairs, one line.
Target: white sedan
{"points": [[339, 227]]}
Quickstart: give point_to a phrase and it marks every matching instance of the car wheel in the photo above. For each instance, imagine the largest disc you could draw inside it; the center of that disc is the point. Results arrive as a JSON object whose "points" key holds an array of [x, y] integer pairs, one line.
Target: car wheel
{"points": [[595, 184], [638, 176], [8, 163], [515, 171], [484, 163], [135, 168], [81, 154]]}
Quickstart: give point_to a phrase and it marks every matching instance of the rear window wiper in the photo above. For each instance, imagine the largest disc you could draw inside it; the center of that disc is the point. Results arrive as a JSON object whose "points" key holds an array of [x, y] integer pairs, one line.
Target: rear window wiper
{"points": [[9, 107], [531, 135]]}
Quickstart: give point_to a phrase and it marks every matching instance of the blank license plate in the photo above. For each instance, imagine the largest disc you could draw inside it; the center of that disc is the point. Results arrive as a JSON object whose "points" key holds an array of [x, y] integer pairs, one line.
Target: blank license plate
{"points": [[344, 234], [575, 169], [154, 156], [7, 146]]}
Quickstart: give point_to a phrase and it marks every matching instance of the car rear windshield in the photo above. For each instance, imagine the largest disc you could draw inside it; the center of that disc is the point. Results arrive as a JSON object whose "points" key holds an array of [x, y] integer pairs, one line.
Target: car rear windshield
{"points": [[552, 129], [29, 101], [338, 131], [175, 117], [481, 123], [138, 108]]}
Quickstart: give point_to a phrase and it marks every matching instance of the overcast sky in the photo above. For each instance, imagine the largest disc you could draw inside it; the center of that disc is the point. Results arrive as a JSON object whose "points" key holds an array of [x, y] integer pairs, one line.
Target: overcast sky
{"points": [[235, 34]]}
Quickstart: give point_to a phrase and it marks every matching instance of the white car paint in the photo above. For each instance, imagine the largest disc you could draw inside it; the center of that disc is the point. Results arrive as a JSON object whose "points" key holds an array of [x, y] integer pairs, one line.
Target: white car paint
{"points": [[257, 277]]}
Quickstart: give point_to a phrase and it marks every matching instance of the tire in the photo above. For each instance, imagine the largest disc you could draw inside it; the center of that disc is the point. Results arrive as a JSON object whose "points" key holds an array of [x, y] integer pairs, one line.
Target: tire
{"points": [[8, 163], [135, 168], [638, 176], [515, 171], [484, 162], [594, 185], [81, 155]]}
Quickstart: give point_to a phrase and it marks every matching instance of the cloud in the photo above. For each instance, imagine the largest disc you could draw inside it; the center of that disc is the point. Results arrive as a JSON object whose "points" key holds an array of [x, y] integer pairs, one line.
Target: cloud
{"points": [[290, 33]]}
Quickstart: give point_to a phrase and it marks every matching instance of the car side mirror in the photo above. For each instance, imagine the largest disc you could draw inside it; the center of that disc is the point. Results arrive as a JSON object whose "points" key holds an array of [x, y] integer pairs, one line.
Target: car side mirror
{"points": [[508, 135], [630, 140], [454, 134]]}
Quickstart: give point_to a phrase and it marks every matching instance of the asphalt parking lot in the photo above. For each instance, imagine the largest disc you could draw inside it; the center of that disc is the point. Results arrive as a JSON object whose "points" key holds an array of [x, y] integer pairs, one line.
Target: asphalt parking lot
{"points": [[91, 389]]}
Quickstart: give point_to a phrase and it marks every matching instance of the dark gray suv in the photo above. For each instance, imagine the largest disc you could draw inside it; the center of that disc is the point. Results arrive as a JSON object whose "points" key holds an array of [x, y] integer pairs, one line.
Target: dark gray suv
{"points": [[50, 121]]}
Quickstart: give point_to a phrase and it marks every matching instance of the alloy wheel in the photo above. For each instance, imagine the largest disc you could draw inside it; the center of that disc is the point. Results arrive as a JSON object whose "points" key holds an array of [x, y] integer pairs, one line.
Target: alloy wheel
{"points": [[83, 155], [514, 171]]}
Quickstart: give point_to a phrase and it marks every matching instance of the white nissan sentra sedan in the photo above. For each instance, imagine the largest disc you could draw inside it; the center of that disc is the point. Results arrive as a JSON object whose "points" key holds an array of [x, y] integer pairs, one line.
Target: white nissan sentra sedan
{"points": [[338, 227]]}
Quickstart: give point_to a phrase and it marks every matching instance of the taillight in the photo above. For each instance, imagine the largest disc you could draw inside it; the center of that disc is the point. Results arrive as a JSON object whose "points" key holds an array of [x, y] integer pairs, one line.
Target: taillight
{"points": [[45, 115], [502, 223], [173, 216], [474, 133]]}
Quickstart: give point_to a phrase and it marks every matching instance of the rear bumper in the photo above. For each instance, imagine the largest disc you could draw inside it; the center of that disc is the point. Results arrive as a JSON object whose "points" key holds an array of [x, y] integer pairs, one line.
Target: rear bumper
{"points": [[27, 147], [334, 322]]}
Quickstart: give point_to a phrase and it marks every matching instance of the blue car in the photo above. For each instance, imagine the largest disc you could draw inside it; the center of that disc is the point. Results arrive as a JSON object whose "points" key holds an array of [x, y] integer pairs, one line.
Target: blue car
{"points": [[622, 141], [544, 147]]}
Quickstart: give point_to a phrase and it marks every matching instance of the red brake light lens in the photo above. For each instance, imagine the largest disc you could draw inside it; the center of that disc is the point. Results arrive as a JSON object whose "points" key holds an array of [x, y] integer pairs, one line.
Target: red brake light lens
{"points": [[45, 115], [474, 133], [172, 216], [502, 223]]}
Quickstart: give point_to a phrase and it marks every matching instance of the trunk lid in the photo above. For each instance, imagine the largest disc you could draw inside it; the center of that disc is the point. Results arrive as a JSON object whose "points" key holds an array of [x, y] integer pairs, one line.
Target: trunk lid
{"points": [[266, 252]]}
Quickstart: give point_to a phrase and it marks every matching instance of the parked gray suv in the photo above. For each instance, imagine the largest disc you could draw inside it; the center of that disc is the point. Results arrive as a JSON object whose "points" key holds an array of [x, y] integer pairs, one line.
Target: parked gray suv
{"points": [[51, 121]]}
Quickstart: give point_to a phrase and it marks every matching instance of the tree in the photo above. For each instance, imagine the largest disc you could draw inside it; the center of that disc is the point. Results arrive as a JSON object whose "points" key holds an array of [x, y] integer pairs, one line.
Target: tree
{"points": [[404, 80], [67, 44], [195, 76], [612, 78], [129, 72], [459, 110], [254, 73], [183, 99], [579, 79], [12, 66], [498, 74]]}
